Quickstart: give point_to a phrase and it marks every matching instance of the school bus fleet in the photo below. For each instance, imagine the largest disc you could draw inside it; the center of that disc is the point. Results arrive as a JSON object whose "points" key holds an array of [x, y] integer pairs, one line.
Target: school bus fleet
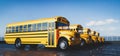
{"points": [[54, 32]]}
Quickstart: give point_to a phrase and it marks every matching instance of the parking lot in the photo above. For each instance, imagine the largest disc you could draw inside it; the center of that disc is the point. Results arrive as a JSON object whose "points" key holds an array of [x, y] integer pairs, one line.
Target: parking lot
{"points": [[111, 49]]}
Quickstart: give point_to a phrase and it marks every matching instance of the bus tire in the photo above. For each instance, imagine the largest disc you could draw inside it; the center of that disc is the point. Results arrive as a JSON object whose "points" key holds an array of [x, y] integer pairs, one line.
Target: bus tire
{"points": [[92, 42], [63, 44], [83, 43], [18, 44]]}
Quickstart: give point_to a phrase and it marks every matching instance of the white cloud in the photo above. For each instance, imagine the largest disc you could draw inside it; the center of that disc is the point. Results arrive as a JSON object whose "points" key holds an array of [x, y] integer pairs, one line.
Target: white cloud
{"points": [[107, 27], [107, 30], [101, 22]]}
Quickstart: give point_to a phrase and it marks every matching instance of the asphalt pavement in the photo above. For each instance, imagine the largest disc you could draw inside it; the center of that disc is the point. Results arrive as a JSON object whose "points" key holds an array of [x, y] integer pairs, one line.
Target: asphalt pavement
{"points": [[111, 49]]}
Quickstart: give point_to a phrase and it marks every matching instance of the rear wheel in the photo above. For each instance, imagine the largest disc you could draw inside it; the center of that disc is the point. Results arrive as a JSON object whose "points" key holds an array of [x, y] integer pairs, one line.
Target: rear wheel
{"points": [[18, 44], [63, 44]]}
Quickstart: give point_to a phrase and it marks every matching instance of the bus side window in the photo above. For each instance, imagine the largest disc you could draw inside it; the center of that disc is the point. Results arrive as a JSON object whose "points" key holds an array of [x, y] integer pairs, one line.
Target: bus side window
{"points": [[39, 26], [13, 28], [29, 27], [20, 29], [53, 25], [34, 27], [17, 29], [25, 28], [44, 26], [9, 29]]}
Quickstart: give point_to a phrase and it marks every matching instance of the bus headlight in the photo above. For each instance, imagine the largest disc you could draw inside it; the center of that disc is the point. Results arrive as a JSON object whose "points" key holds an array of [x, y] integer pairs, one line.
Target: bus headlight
{"points": [[80, 39], [72, 38], [88, 38]]}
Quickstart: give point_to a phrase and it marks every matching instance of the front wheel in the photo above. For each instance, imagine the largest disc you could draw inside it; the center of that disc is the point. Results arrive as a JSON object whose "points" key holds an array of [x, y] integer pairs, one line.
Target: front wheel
{"points": [[83, 43], [92, 42], [63, 44]]}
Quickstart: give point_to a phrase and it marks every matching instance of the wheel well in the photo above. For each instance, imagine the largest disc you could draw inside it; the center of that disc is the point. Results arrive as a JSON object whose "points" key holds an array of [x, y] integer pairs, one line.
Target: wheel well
{"points": [[62, 38], [17, 39], [83, 39]]}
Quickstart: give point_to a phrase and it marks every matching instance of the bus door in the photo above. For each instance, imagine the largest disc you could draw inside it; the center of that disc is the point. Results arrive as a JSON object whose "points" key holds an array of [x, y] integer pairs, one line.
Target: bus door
{"points": [[51, 33]]}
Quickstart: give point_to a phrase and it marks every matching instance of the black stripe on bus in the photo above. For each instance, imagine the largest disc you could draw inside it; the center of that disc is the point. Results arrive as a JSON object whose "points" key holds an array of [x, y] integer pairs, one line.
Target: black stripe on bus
{"points": [[49, 38], [27, 34], [28, 37], [52, 38]]}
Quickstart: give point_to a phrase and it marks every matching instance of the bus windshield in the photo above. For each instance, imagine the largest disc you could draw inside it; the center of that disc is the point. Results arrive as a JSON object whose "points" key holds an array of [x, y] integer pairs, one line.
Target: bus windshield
{"points": [[79, 30], [61, 25]]}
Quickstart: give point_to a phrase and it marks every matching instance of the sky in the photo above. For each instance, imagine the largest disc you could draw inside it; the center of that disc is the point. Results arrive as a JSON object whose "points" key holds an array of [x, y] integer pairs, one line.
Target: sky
{"points": [[102, 16]]}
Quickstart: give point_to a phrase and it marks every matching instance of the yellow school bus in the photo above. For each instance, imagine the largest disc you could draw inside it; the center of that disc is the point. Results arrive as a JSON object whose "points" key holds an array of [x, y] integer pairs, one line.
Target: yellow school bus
{"points": [[99, 38], [79, 29], [41, 31], [86, 36], [103, 39], [94, 37]]}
